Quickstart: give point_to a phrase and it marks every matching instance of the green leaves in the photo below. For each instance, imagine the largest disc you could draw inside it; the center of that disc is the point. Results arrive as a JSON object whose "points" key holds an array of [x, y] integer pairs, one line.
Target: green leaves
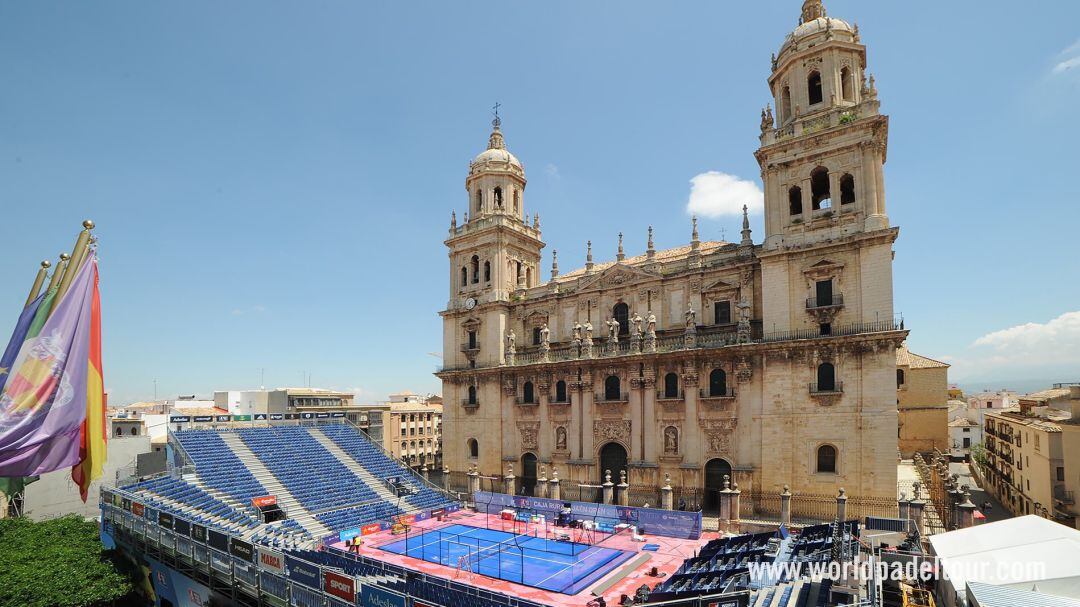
{"points": [[57, 563]]}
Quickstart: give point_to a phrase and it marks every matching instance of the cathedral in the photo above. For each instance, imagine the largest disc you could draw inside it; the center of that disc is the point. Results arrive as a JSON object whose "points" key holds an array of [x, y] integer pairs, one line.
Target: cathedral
{"points": [[772, 363]]}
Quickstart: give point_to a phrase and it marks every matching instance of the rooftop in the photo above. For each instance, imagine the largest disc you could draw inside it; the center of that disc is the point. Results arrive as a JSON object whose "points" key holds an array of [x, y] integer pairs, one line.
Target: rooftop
{"points": [[661, 256], [907, 358]]}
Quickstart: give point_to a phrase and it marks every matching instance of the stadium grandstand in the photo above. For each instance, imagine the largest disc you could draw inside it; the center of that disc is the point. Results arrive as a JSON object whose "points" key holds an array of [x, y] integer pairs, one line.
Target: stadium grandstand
{"points": [[313, 513]]}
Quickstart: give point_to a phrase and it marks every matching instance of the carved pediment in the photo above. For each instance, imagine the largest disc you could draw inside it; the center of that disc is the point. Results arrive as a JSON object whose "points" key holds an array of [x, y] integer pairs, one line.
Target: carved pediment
{"points": [[720, 287], [471, 324], [535, 317], [617, 275], [823, 268]]}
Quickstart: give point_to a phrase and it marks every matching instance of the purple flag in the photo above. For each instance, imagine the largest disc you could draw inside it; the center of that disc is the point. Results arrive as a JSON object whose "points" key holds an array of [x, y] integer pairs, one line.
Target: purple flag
{"points": [[43, 403]]}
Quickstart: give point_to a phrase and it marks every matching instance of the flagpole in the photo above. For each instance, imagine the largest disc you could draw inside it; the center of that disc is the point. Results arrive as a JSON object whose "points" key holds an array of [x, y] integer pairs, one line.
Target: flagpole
{"points": [[58, 273], [78, 254], [38, 281]]}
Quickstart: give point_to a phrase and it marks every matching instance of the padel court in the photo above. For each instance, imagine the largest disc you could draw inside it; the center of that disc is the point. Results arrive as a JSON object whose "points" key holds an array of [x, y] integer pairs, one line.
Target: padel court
{"points": [[550, 564]]}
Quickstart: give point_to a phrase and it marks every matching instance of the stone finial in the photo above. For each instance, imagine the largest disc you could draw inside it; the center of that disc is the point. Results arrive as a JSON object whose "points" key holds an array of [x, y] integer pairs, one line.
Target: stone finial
{"points": [[554, 474], [842, 495], [746, 227], [786, 491], [667, 479], [607, 476], [812, 9], [588, 256], [621, 255], [727, 482], [554, 263], [649, 246], [694, 232], [873, 88], [510, 470], [453, 219], [622, 477]]}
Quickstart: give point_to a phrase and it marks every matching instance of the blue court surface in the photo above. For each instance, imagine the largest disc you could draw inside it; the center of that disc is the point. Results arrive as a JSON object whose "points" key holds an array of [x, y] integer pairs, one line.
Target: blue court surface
{"points": [[565, 567]]}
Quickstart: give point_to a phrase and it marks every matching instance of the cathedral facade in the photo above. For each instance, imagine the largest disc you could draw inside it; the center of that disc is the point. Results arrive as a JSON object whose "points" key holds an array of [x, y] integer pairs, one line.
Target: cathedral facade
{"points": [[771, 362]]}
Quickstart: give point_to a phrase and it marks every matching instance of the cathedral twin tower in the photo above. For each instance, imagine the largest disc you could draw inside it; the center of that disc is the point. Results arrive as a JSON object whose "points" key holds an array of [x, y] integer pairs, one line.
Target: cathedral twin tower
{"points": [[772, 364]]}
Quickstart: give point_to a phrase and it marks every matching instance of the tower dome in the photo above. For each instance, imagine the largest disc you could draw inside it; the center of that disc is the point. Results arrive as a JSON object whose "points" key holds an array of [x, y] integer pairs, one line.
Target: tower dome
{"points": [[814, 23], [496, 158]]}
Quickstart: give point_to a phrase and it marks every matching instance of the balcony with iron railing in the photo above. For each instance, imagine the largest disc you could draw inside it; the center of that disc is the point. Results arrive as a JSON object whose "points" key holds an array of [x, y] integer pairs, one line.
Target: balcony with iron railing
{"points": [[836, 387], [1061, 494], [622, 397], [706, 337], [817, 303], [716, 392]]}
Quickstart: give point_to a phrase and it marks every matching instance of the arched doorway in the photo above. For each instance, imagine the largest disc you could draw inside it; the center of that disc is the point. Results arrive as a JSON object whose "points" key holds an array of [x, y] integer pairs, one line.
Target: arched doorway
{"points": [[612, 457], [528, 474], [715, 470]]}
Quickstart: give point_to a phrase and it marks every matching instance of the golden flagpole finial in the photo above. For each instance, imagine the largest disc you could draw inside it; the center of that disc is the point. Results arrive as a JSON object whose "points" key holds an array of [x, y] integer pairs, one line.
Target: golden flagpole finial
{"points": [[78, 255], [38, 281]]}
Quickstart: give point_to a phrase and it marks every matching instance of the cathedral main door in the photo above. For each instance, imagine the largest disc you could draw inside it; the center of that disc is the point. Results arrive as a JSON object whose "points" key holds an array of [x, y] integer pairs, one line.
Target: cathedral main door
{"points": [[612, 457], [528, 474], [715, 469]]}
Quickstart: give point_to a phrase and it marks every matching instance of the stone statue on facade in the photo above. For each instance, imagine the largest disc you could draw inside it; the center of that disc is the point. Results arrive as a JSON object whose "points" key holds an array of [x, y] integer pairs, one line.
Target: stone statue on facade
{"points": [[742, 330], [545, 340], [650, 332], [671, 440], [560, 438], [691, 318], [577, 331], [635, 333], [613, 330], [587, 343], [511, 341]]}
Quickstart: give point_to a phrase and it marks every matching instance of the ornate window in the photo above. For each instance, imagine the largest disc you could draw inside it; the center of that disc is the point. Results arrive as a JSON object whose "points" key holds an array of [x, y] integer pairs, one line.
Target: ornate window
{"points": [[475, 269], [847, 189], [785, 104], [517, 201], [560, 391], [527, 393], [813, 88], [826, 377], [487, 271], [671, 386], [846, 87], [821, 197], [474, 448], [612, 388], [498, 197], [464, 276], [621, 313], [826, 459], [717, 383], [795, 201], [479, 202], [722, 312], [472, 395]]}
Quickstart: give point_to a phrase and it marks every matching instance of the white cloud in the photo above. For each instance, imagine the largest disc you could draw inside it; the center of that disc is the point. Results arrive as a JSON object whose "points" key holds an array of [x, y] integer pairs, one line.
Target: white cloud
{"points": [[715, 194], [1045, 349], [552, 171], [1070, 58], [255, 309]]}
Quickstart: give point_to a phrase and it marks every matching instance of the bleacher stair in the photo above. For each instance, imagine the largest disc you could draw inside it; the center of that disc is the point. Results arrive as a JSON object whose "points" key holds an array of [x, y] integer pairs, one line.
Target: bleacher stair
{"points": [[285, 499], [376, 485]]}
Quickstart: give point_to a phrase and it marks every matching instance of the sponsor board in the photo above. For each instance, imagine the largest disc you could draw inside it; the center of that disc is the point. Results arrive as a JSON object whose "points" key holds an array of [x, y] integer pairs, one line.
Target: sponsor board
{"points": [[260, 416], [165, 520], [271, 560], [436, 513], [322, 416], [181, 526], [179, 419], [370, 528], [307, 416], [262, 502], [371, 596], [303, 572], [292, 416], [277, 416], [203, 418], [241, 418], [240, 548], [198, 533], [339, 585], [349, 534], [218, 540], [222, 418], [337, 414], [137, 509]]}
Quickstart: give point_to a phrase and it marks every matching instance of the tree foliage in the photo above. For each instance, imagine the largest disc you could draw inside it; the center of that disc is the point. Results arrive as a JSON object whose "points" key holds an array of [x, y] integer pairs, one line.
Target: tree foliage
{"points": [[58, 563], [978, 454]]}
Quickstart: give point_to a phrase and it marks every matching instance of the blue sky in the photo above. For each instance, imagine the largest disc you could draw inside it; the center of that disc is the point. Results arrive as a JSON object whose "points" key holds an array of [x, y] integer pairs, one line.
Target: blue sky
{"points": [[273, 181]]}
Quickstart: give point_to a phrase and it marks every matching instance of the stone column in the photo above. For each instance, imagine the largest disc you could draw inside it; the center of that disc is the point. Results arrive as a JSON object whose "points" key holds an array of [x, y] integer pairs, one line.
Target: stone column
{"points": [[508, 480], [624, 489], [841, 506], [609, 488], [648, 422], [915, 508], [665, 493], [736, 515], [967, 511], [542, 483], [554, 490], [902, 506], [725, 500], [446, 478], [785, 506], [474, 481]]}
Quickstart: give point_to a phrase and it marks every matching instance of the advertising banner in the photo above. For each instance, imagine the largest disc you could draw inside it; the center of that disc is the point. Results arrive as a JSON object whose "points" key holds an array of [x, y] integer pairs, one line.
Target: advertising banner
{"points": [[349, 534], [203, 418], [137, 509], [165, 520], [241, 549], [223, 418], [340, 586], [303, 572], [218, 540], [307, 416], [370, 528], [271, 560], [337, 414], [292, 416], [182, 527], [372, 596], [198, 533], [277, 416], [266, 500], [322, 416], [179, 419], [260, 417]]}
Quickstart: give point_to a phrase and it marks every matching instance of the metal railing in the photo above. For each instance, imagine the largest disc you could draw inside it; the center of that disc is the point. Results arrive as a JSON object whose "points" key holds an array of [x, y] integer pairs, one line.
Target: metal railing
{"points": [[724, 392], [835, 301], [836, 387]]}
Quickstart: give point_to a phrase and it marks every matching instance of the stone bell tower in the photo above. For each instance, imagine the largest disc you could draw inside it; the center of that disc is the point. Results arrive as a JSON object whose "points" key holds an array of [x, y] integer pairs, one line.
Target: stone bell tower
{"points": [[822, 151], [821, 160], [494, 256]]}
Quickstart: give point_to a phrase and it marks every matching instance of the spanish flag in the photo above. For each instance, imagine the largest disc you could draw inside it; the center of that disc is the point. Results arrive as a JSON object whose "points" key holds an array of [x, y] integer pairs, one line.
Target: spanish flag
{"points": [[92, 436]]}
